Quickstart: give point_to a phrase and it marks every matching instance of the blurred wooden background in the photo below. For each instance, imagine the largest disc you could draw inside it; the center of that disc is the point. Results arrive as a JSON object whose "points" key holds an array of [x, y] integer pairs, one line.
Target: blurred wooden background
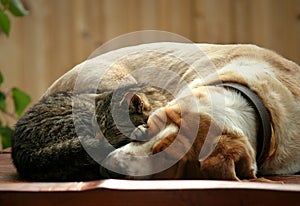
{"points": [[58, 34]]}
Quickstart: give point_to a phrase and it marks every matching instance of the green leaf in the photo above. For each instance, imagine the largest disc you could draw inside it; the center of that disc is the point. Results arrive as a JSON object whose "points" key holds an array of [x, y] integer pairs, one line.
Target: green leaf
{"points": [[15, 7], [2, 101], [21, 100], [1, 78], [4, 22], [6, 133]]}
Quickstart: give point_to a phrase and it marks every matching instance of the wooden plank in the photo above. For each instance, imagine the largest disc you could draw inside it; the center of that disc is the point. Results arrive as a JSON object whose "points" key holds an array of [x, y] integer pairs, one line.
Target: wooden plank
{"points": [[152, 197], [116, 18], [11, 56], [59, 34], [213, 21], [59, 57], [148, 14], [14, 191], [175, 16], [243, 26], [36, 47], [283, 28]]}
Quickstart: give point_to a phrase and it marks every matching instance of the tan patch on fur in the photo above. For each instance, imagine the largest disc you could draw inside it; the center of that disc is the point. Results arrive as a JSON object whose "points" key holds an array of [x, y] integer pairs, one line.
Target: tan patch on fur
{"points": [[232, 159], [182, 142], [165, 143]]}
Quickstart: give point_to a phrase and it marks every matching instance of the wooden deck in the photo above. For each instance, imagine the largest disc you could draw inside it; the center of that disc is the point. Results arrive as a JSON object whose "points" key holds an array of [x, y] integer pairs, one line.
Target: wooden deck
{"points": [[14, 191]]}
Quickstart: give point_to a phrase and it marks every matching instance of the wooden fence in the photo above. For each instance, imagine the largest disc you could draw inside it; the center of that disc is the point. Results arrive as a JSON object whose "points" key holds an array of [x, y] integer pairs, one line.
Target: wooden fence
{"points": [[58, 34]]}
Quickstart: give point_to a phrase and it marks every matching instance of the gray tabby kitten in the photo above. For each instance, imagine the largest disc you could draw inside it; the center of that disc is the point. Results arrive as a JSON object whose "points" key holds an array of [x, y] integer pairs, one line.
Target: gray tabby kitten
{"points": [[46, 146]]}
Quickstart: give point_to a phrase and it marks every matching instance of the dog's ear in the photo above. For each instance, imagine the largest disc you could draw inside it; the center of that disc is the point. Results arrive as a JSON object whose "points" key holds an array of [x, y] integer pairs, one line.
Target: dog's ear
{"points": [[217, 167], [232, 159]]}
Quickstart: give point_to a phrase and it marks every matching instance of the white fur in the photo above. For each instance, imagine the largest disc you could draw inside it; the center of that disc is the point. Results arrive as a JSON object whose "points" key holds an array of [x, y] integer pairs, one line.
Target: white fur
{"points": [[230, 110], [239, 116], [134, 160]]}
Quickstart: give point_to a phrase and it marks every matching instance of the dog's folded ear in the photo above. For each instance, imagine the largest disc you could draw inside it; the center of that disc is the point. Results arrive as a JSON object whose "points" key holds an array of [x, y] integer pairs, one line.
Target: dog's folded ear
{"points": [[232, 159]]}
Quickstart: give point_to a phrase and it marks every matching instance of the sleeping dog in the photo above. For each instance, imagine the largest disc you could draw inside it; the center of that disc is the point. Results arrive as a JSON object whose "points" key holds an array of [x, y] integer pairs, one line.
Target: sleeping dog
{"points": [[234, 121], [241, 121]]}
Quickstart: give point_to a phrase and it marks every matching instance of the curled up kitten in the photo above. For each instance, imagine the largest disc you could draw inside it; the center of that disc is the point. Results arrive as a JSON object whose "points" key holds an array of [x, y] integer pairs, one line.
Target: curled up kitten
{"points": [[54, 139]]}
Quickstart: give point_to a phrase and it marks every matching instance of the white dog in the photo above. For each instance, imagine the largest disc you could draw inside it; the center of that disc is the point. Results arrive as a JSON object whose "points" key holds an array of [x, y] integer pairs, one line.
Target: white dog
{"points": [[238, 119]]}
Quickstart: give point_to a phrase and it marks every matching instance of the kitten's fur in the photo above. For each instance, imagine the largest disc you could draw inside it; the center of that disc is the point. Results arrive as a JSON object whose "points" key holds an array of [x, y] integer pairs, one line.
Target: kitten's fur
{"points": [[46, 145]]}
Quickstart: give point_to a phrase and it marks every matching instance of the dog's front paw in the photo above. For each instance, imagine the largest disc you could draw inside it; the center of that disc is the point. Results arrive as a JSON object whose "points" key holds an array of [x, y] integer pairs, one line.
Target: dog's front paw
{"points": [[140, 133], [128, 162]]}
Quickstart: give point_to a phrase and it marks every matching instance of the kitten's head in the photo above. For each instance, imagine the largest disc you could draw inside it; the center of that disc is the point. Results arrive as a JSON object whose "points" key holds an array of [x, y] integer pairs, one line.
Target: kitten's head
{"points": [[120, 111], [138, 107]]}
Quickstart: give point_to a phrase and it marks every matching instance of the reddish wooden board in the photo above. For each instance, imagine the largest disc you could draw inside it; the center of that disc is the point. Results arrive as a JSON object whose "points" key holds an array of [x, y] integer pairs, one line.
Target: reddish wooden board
{"points": [[14, 191]]}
